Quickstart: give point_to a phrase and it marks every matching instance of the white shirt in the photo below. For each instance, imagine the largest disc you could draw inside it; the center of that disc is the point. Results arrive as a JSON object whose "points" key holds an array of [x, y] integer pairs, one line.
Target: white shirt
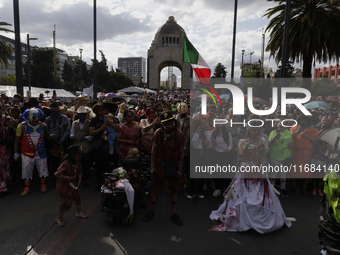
{"points": [[221, 145], [81, 125]]}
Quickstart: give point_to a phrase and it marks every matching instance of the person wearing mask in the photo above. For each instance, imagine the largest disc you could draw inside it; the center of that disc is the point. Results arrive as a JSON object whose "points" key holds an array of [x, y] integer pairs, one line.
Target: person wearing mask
{"points": [[59, 125], [147, 127], [168, 146], [68, 181], [31, 134], [99, 146], [183, 124], [80, 131]]}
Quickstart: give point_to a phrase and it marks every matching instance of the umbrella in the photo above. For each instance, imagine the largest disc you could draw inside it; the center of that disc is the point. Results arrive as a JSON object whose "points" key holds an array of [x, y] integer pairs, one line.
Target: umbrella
{"points": [[223, 96], [315, 104], [260, 100], [111, 94], [117, 99], [133, 101], [121, 94], [134, 95], [329, 111]]}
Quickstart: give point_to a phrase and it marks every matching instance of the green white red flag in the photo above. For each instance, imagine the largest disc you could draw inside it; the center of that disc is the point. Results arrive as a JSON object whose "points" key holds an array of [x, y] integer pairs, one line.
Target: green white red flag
{"points": [[191, 55]]}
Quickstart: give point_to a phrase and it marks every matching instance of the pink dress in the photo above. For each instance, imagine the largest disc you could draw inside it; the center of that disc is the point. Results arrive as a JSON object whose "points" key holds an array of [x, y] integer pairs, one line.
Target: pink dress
{"points": [[127, 133]]}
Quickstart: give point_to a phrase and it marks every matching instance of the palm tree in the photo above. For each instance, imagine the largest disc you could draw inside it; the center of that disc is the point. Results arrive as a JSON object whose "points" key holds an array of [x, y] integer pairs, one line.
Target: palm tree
{"points": [[314, 32], [5, 50]]}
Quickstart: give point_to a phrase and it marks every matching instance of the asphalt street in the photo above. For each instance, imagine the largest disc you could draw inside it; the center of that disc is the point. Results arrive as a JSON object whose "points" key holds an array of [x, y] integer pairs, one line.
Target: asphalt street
{"points": [[28, 227]]}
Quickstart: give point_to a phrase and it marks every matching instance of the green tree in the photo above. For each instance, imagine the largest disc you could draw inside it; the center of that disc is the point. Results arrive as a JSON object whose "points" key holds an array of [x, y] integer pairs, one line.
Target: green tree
{"points": [[309, 41], [5, 50], [9, 79], [289, 70], [324, 88], [41, 67], [219, 71]]}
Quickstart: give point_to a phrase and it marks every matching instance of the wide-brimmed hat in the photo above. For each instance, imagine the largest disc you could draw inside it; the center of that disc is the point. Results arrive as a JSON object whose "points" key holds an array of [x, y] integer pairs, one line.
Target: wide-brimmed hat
{"points": [[82, 109], [54, 107], [166, 116]]}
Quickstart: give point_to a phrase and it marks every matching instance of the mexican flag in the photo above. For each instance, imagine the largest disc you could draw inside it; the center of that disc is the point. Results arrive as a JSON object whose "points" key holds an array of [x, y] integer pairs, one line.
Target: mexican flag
{"points": [[191, 55]]}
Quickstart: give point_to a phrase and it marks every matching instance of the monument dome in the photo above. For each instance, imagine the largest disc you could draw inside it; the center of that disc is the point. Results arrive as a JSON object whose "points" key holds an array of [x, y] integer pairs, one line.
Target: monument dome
{"points": [[171, 27]]}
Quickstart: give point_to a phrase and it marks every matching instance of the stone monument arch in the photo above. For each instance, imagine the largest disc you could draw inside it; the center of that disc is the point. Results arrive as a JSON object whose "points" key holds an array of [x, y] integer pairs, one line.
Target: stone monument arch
{"points": [[167, 50]]}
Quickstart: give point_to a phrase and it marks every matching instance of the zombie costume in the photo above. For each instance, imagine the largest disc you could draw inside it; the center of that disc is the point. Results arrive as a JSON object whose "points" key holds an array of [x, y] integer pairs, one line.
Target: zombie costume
{"points": [[250, 203], [127, 133], [6, 144], [32, 133], [68, 180], [173, 148]]}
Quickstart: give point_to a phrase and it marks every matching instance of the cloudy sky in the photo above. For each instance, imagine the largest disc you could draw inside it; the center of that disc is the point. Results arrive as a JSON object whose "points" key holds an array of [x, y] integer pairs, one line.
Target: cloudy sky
{"points": [[127, 28]]}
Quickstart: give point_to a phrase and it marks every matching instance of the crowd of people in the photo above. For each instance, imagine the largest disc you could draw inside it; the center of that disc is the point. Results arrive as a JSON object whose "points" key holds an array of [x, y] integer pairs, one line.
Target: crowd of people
{"points": [[66, 140]]}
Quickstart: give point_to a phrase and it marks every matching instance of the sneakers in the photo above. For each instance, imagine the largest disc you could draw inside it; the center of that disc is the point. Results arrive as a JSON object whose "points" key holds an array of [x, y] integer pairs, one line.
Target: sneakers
{"points": [[320, 193], [284, 193], [26, 191], [217, 192], [81, 215], [192, 195], [314, 192], [148, 216], [27, 188], [175, 218], [200, 195]]}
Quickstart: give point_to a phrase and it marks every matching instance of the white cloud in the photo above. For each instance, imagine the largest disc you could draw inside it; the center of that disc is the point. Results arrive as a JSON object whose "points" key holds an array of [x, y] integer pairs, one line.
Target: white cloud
{"points": [[127, 28]]}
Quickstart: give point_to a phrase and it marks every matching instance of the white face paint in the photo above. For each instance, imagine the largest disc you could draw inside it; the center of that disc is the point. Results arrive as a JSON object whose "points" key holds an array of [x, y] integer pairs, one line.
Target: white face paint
{"points": [[33, 115]]}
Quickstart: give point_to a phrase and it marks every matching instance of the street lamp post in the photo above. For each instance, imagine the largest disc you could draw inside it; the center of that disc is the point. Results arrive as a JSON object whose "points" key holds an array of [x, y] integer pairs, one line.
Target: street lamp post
{"points": [[242, 62], [29, 61], [74, 86], [81, 70]]}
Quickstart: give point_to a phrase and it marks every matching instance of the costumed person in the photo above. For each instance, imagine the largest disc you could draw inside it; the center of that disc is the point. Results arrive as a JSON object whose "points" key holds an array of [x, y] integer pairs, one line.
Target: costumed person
{"points": [[183, 124], [304, 136], [7, 134], [250, 201], [147, 127], [80, 135], [68, 181], [32, 134], [167, 156]]}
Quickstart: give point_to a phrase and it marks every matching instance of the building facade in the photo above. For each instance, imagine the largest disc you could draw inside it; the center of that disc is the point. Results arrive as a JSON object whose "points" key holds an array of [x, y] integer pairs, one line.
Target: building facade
{"points": [[134, 68], [332, 72]]}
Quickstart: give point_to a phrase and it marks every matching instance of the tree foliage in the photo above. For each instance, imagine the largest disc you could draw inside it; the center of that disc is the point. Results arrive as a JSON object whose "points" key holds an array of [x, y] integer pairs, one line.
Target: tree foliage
{"points": [[9, 79], [42, 67], [309, 41], [219, 71], [5, 50]]}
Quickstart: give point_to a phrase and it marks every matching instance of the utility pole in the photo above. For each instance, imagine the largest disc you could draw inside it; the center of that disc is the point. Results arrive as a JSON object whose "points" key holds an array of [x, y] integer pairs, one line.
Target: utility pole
{"points": [[234, 40], [95, 49], [18, 53], [262, 55], [54, 56]]}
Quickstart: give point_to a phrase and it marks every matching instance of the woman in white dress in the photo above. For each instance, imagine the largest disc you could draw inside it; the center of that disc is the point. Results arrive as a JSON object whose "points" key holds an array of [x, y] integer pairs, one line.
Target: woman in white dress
{"points": [[250, 201]]}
